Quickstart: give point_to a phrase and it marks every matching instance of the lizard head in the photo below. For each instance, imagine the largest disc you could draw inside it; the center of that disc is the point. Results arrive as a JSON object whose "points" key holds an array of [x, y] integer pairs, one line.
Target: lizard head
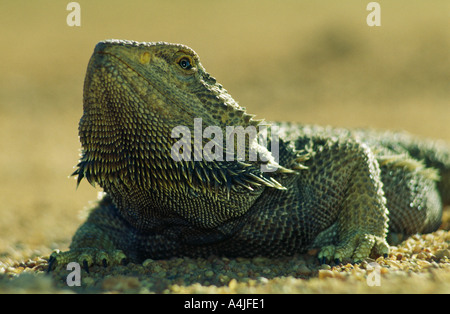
{"points": [[135, 96]]}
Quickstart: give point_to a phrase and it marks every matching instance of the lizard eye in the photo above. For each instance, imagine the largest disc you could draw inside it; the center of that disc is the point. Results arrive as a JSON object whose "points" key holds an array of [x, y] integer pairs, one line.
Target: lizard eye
{"points": [[185, 63]]}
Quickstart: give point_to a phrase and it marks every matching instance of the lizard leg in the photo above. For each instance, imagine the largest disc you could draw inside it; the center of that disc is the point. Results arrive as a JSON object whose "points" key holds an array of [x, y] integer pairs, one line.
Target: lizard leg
{"points": [[361, 224], [97, 241]]}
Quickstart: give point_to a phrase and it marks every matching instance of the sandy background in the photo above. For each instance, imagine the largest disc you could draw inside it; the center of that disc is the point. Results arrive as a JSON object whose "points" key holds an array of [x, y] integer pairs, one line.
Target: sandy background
{"points": [[304, 61]]}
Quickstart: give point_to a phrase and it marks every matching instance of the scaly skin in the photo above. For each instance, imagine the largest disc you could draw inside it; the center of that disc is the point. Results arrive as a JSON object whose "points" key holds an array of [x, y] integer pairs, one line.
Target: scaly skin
{"points": [[345, 192]]}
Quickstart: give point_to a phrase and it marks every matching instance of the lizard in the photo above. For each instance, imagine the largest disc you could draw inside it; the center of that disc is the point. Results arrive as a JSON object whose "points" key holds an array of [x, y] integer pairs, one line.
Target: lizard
{"points": [[347, 192]]}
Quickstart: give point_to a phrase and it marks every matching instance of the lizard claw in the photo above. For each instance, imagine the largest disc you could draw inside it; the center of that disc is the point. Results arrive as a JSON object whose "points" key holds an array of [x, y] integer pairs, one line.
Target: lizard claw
{"points": [[87, 257], [51, 262], [322, 260], [85, 266], [355, 248]]}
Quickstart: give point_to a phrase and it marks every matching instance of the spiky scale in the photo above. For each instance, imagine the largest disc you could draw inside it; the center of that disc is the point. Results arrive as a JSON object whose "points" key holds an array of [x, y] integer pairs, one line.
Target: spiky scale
{"points": [[331, 188]]}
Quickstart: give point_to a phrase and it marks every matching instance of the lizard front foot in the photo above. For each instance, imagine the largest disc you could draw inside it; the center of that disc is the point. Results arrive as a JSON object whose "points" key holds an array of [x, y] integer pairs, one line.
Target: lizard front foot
{"points": [[87, 257], [356, 248]]}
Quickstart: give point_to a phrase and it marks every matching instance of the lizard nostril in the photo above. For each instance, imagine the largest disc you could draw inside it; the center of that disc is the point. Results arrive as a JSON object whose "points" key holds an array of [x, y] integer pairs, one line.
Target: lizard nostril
{"points": [[144, 58]]}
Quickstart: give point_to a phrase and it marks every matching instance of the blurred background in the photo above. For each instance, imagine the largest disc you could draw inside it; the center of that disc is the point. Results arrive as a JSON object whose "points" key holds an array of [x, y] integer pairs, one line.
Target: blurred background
{"points": [[303, 61]]}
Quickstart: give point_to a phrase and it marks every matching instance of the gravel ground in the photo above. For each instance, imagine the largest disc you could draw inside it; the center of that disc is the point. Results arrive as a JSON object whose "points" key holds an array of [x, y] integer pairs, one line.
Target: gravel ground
{"points": [[420, 264], [314, 63]]}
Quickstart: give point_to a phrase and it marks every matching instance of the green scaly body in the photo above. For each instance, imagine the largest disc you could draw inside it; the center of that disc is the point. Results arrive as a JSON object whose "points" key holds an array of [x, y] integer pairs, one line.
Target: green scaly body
{"points": [[344, 191]]}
